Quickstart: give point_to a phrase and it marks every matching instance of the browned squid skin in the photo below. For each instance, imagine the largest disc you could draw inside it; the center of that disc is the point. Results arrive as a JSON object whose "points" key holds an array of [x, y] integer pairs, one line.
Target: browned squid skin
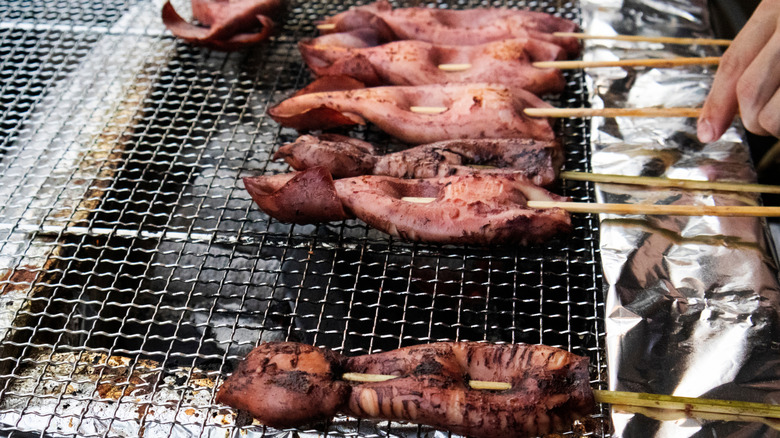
{"points": [[226, 24], [539, 161], [483, 210], [456, 27], [472, 110], [410, 62], [287, 384], [550, 388]]}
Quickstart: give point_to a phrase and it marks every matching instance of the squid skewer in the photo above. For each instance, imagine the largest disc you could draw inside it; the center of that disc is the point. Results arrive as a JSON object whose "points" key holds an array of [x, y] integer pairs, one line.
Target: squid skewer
{"points": [[457, 27], [652, 62], [643, 38], [474, 110], [290, 384], [362, 55], [570, 65]]}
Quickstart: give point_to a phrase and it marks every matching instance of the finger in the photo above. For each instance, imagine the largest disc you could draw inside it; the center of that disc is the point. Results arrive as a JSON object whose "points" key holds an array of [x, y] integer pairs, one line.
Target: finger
{"points": [[720, 107], [769, 116], [721, 104], [758, 85]]}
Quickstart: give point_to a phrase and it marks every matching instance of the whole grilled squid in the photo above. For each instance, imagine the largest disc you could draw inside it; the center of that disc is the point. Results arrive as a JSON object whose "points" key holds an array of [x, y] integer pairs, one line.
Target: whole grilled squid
{"points": [[289, 384]]}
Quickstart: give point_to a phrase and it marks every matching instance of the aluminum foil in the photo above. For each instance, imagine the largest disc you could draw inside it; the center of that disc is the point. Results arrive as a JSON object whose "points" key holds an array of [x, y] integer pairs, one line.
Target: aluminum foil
{"points": [[691, 302]]}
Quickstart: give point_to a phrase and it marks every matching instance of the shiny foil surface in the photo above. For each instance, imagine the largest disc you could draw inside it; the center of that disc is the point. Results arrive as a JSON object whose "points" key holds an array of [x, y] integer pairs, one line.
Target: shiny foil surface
{"points": [[692, 302]]}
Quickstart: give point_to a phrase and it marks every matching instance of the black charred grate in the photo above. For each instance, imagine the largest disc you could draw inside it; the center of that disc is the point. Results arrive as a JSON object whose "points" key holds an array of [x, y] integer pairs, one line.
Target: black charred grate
{"points": [[135, 271]]}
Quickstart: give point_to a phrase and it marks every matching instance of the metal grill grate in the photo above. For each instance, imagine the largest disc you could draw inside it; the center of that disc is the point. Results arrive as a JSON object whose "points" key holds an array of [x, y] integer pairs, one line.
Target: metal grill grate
{"points": [[135, 271]]}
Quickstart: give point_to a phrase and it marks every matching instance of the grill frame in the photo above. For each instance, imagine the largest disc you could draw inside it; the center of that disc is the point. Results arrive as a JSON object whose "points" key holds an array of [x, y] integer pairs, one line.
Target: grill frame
{"points": [[139, 272]]}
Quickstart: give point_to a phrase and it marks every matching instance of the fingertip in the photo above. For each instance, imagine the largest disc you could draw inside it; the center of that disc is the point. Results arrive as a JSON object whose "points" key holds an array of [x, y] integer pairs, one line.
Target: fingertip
{"points": [[705, 131], [714, 120]]}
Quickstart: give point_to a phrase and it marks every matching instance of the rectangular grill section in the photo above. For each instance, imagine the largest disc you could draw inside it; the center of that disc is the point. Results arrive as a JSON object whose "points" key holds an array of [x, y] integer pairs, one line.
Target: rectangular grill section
{"points": [[136, 272]]}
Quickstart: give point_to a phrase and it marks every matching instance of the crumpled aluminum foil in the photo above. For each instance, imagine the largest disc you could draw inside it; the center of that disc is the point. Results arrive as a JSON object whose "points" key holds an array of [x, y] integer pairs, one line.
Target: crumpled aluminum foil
{"points": [[691, 302]]}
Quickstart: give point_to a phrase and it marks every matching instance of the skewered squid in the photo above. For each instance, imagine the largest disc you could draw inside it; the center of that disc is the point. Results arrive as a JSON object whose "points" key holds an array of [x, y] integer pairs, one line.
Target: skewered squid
{"points": [[539, 161], [289, 384], [469, 110], [468, 209], [456, 27], [409, 62]]}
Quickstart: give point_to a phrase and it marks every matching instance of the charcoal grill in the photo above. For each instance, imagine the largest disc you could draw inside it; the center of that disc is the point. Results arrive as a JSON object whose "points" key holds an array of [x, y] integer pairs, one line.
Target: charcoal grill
{"points": [[135, 271]]}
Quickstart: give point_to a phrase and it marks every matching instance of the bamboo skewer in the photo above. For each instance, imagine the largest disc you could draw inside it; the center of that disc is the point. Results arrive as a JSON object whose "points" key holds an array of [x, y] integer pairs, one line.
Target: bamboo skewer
{"points": [[670, 182], [613, 112], [569, 65], [659, 63], [427, 109], [622, 398], [366, 377], [659, 209], [658, 401], [326, 26], [585, 112], [418, 200], [454, 67], [647, 209], [650, 39]]}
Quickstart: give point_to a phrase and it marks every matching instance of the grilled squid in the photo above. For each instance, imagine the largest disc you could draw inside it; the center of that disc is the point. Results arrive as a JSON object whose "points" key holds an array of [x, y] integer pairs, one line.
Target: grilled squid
{"points": [[476, 209], [537, 160], [410, 62], [468, 110], [226, 24], [550, 387], [456, 27]]}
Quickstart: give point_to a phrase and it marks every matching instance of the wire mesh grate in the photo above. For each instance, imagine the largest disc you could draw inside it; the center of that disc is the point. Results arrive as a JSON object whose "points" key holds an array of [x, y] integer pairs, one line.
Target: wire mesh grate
{"points": [[135, 271]]}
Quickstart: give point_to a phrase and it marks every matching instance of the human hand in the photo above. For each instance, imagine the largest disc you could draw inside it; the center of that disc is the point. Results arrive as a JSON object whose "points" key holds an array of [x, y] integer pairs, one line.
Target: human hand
{"points": [[748, 79]]}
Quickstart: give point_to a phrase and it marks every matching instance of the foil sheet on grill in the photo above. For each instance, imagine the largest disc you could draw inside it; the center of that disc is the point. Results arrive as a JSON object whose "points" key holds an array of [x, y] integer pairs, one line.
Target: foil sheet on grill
{"points": [[692, 302]]}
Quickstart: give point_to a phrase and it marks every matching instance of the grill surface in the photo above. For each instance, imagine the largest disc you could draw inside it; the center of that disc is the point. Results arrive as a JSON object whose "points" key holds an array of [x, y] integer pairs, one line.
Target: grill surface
{"points": [[135, 271]]}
